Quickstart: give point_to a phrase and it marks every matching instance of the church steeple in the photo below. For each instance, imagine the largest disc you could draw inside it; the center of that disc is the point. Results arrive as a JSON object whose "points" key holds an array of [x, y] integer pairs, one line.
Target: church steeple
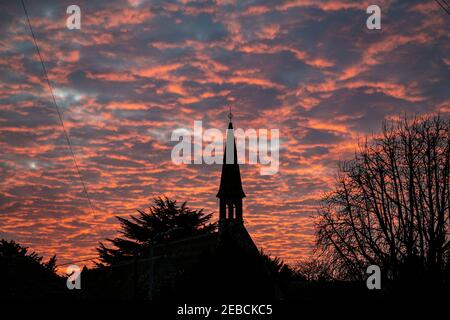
{"points": [[230, 190]]}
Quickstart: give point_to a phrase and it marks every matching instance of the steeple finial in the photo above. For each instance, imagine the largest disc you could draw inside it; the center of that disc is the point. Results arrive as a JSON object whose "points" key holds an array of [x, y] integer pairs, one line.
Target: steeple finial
{"points": [[230, 115]]}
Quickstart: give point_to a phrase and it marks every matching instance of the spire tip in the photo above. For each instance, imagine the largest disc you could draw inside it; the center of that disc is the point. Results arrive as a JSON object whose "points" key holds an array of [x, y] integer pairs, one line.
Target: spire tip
{"points": [[230, 115]]}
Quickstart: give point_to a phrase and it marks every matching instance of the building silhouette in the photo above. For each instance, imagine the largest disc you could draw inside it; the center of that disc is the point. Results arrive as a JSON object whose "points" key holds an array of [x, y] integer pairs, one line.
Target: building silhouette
{"points": [[230, 192], [221, 252], [223, 265]]}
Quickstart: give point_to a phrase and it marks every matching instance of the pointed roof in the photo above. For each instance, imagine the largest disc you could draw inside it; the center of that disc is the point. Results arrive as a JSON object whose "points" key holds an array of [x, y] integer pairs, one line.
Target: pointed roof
{"points": [[230, 181]]}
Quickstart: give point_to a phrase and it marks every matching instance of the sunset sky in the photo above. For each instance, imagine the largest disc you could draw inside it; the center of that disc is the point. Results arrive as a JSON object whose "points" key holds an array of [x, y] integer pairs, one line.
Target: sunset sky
{"points": [[139, 69]]}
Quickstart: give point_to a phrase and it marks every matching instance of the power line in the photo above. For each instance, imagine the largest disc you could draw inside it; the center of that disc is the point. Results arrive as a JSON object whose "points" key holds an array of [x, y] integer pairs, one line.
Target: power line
{"points": [[443, 6], [123, 263], [57, 109], [76, 261]]}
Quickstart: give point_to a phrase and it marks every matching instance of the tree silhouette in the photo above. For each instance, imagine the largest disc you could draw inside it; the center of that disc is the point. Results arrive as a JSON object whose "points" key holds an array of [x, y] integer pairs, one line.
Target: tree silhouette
{"points": [[164, 221], [23, 275], [51, 264], [391, 205], [11, 249], [313, 270]]}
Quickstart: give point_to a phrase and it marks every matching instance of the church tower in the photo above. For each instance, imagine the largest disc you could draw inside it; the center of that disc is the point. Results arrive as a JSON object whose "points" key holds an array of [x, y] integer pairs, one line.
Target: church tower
{"points": [[230, 190]]}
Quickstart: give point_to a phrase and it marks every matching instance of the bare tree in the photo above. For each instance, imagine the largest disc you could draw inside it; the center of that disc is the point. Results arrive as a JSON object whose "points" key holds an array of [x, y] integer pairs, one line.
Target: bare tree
{"points": [[314, 270], [391, 205]]}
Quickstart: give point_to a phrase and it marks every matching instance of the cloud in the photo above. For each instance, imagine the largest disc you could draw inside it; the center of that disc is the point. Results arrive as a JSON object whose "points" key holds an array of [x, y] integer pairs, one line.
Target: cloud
{"points": [[137, 70]]}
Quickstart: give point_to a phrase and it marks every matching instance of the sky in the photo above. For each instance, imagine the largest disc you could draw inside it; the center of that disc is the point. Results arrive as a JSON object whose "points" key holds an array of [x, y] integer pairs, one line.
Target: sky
{"points": [[137, 70]]}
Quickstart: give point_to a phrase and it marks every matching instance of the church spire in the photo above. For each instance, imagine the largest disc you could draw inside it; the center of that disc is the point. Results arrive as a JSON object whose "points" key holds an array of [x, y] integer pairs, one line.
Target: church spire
{"points": [[230, 190]]}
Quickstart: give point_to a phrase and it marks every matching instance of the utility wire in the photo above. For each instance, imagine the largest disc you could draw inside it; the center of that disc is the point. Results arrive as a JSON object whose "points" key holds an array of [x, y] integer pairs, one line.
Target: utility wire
{"points": [[76, 261], [123, 263], [57, 109]]}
